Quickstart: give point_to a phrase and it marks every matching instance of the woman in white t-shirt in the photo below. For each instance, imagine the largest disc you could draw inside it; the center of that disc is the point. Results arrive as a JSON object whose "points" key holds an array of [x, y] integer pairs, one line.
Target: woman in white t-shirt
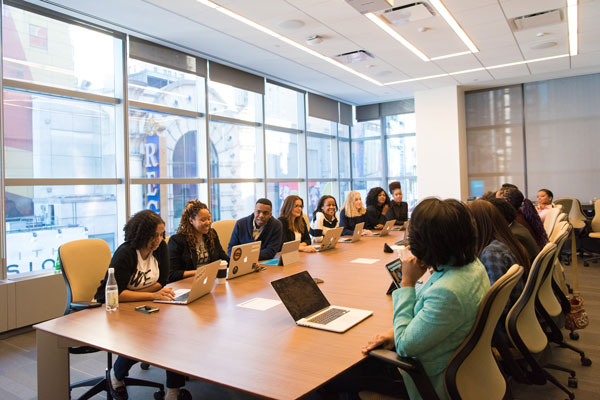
{"points": [[141, 266]]}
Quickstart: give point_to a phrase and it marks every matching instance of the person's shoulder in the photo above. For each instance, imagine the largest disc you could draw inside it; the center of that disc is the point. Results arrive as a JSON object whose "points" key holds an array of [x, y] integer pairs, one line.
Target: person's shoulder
{"points": [[124, 249], [275, 222]]}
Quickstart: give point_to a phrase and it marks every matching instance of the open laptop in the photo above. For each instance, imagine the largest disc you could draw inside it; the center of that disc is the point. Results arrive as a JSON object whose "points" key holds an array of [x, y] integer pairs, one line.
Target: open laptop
{"points": [[330, 239], [356, 236], [386, 229], [203, 283], [244, 259], [290, 253], [308, 306]]}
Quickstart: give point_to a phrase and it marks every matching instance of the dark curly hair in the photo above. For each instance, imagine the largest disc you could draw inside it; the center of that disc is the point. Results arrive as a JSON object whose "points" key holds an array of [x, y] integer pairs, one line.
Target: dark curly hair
{"points": [[442, 232], [526, 208], [141, 227], [373, 194], [393, 186], [192, 208], [322, 203], [508, 212]]}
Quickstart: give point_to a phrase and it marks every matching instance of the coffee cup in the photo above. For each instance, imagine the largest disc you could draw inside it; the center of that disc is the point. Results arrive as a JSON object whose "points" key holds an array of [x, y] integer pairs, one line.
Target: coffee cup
{"points": [[222, 274]]}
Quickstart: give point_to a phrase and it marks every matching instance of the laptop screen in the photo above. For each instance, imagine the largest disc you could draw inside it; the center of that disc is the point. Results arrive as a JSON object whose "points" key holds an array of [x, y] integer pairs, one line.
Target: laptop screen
{"points": [[300, 295]]}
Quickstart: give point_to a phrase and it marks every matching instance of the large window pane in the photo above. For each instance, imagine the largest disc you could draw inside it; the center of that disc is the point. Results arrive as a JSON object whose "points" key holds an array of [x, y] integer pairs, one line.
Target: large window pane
{"points": [[163, 86], [409, 189], [234, 200], [343, 131], [278, 191], [402, 156], [228, 101], [283, 154], [344, 158], [154, 136], [345, 187], [366, 129], [401, 123], [319, 156], [284, 107], [321, 126], [41, 218], [235, 151], [55, 137], [45, 51], [166, 200], [367, 159]]}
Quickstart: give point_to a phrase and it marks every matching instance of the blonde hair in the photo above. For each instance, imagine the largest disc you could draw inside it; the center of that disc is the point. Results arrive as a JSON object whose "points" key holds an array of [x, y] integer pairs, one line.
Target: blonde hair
{"points": [[349, 209]]}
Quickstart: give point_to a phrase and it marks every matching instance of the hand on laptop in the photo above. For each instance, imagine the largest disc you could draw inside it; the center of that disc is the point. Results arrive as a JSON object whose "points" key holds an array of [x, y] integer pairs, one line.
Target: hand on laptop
{"points": [[164, 294], [385, 340], [378, 227], [366, 232], [307, 249]]}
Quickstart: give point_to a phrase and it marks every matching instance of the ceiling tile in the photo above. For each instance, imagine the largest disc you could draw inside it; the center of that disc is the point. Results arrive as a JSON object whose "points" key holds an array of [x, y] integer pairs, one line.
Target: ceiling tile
{"points": [[542, 67], [471, 77], [509, 72], [458, 63]]}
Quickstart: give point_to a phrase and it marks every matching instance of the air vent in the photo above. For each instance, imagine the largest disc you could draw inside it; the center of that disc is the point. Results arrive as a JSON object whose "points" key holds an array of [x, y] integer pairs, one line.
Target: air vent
{"points": [[367, 6], [536, 20], [408, 13], [353, 57]]}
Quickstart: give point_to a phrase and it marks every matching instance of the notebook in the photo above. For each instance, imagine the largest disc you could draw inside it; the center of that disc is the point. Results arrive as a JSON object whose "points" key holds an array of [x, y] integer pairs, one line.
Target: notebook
{"points": [[203, 283], [290, 254], [244, 259], [308, 306], [356, 236], [386, 229], [330, 239]]}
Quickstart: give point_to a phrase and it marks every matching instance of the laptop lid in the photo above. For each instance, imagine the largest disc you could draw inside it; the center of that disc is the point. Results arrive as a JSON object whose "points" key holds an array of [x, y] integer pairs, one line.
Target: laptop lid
{"points": [[358, 231], [387, 227], [300, 295], [290, 252], [244, 259], [330, 239], [204, 280]]}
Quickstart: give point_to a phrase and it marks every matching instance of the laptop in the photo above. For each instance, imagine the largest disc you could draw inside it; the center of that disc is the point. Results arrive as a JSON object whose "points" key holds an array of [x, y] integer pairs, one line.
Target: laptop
{"points": [[203, 283], [290, 253], [330, 239], [308, 306], [386, 229], [356, 236], [244, 259]]}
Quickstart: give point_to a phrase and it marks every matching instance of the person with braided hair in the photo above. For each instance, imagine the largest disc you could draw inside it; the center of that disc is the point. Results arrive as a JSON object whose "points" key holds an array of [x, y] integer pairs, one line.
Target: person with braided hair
{"points": [[195, 243]]}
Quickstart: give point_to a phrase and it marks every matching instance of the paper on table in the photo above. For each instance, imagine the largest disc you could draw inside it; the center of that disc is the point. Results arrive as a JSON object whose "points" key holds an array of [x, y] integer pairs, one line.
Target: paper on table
{"points": [[258, 303], [364, 260]]}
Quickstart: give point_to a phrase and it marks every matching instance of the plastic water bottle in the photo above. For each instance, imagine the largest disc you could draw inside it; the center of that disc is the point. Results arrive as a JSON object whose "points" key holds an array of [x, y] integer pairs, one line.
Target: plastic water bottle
{"points": [[112, 291]]}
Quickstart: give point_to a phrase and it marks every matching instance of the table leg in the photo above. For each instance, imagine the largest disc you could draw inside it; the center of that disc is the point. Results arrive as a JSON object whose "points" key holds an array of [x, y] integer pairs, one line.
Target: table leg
{"points": [[52, 367]]}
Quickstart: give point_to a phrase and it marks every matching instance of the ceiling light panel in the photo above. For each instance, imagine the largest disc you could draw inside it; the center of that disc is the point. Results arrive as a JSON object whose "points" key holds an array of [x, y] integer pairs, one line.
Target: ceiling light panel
{"points": [[572, 21], [387, 28], [449, 18]]}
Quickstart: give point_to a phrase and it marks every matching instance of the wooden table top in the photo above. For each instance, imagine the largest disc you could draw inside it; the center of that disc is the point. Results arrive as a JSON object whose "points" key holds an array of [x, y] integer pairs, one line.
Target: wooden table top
{"points": [[261, 352]]}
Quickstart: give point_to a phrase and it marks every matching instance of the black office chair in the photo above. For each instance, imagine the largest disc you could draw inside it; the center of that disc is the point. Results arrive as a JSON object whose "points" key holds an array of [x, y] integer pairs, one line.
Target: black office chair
{"points": [[591, 243], [83, 265], [472, 372]]}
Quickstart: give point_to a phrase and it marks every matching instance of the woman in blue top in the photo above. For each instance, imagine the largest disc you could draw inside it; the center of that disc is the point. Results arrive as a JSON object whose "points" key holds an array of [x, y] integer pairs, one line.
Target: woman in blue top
{"points": [[430, 324]]}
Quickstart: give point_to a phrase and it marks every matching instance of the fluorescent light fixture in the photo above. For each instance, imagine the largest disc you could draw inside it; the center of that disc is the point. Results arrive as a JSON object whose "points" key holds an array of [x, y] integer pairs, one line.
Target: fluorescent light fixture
{"points": [[572, 22], [284, 39], [439, 6], [477, 69], [462, 53], [392, 32]]}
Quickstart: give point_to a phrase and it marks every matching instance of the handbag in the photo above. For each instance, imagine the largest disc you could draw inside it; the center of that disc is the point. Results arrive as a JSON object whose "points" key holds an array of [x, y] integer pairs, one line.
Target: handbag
{"points": [[577, 318]]}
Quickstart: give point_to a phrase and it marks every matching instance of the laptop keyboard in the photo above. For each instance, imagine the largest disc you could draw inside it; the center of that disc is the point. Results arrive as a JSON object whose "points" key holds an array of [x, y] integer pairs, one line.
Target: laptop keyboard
{"points": [[182, 297], [328, 316]]}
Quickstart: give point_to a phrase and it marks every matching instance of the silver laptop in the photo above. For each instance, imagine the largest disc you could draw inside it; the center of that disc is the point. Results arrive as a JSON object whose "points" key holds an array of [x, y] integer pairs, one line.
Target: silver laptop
{"points": [[386, 229], [244, 259], [290, 253], [356, 236], [308, 306], [330, 239], [203, 283]]}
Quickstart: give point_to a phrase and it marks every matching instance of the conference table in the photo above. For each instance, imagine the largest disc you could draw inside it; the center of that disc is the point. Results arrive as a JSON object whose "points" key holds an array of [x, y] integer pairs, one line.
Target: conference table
{"points": [[214, 339]]}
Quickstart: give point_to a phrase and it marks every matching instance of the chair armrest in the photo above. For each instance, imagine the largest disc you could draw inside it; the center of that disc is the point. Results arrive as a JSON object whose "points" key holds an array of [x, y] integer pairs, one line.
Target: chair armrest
{"points": [[412, 366], [83, 305]]}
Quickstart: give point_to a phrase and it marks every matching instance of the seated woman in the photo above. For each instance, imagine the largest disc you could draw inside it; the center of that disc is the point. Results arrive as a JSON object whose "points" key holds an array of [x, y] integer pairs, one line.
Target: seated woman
{"points": [[352, 213], [324, 217], [141, 266], [378, 204], [526, 214], [398, 209], [544, 200], [195, 242], [430, 324], [293, 224]]}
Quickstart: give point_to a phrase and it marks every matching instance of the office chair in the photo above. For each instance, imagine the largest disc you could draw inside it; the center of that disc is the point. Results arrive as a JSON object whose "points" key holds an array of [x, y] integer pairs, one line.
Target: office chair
{"points": [[472, 372], [593, 237], [224, 229], [83, 265], [525, 332], [572, 207], [550, 220]]}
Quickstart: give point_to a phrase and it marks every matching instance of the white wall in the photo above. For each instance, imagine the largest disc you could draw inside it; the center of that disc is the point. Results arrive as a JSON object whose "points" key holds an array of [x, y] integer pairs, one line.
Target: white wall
{"points": [[441, 143]]}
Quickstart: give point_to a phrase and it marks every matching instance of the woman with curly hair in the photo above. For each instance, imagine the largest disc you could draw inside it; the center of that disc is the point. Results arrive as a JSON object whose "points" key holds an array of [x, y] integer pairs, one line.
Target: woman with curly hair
{"points": [[195, 242], [293, 224], [378, 204], [526, 214], [141, 266]]}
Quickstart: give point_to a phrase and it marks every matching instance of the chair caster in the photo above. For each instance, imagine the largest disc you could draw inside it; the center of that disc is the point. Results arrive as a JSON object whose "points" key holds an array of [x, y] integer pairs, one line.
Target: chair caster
{"points": [[574, 335], [572, 383], [159, 395], [586, 264], [586, 362], [145, 366]]}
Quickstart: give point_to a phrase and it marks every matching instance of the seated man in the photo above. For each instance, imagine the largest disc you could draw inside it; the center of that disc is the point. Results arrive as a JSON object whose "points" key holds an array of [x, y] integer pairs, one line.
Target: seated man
{"points": [[258, 226]]}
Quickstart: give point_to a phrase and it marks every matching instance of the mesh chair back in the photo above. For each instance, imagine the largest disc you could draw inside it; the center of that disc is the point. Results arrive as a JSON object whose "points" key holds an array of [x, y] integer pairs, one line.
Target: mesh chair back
{"points": [[224, 229], [472, 372], [84, 264]]}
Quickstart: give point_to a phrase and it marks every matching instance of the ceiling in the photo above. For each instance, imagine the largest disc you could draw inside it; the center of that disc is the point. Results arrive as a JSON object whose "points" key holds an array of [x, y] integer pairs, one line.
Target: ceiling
{"points": [[194, 27]]}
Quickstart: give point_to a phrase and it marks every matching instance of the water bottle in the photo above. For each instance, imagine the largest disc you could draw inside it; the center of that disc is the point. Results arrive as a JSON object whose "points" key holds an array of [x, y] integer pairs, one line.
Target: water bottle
{"points": [[112, 291]]}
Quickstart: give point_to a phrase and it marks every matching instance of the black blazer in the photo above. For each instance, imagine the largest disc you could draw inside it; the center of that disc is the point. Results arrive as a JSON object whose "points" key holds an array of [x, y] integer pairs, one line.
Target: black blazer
{"points": [[289, 235], [374, 217], [181, 260], [397, 211]]}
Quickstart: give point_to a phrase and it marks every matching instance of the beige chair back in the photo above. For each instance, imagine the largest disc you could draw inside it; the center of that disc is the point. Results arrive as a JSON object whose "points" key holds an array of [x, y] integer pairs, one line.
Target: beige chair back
{"points": [[546, 295], [596, 219], [306, 219], [84, 264], [224, 229], [550, 220], [572, 207], [472, 372]]}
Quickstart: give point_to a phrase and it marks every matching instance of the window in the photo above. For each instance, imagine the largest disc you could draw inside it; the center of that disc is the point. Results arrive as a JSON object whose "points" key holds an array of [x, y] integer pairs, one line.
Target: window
{"points": [[401, 153]]}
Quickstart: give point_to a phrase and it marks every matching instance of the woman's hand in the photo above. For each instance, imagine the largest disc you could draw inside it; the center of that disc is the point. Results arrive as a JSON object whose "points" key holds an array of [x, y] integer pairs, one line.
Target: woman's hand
{"points": [[163, 294], [366, 232], [307, 249], [412, 270], [385, 340], [378, 226], [385, 209]]}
